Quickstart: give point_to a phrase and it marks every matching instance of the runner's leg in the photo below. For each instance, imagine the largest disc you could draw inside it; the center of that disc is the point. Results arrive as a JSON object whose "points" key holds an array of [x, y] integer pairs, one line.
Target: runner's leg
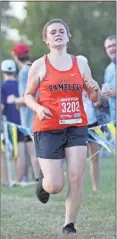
{"points": [[53, 181], [76, 162]]}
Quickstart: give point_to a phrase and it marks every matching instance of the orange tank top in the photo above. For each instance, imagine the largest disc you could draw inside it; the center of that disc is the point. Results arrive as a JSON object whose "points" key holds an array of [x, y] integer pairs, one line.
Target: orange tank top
{"points": [[61, 93]]}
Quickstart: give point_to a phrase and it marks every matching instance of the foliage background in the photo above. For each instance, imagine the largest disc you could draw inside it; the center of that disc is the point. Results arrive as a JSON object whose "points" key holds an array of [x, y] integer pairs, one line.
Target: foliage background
{"points": [[90, 23]]}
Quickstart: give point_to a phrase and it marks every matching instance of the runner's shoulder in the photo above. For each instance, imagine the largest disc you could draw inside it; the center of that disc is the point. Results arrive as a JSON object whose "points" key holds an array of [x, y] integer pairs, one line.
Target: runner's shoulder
{"points": [[83, 65], [36, 65], [82, 59]]}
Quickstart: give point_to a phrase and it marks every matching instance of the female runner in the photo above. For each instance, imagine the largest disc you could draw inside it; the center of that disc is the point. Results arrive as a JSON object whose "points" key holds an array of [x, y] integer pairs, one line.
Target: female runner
{"points": [[60, 123]]}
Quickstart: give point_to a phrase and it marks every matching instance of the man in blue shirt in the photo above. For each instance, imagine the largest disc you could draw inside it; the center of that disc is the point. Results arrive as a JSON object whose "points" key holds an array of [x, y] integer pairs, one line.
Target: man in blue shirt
{"points": [[10, 86], [21, 54], [109, 86]]}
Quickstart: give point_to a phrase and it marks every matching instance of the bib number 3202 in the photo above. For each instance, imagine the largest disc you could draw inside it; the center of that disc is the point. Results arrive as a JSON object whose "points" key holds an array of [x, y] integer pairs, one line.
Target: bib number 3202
{"points": [[69, 111], [70, 107]]}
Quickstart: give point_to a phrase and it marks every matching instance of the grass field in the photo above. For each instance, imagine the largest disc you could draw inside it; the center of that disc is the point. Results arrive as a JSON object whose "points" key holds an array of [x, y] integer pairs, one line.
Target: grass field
{"points": [[23, 216]]}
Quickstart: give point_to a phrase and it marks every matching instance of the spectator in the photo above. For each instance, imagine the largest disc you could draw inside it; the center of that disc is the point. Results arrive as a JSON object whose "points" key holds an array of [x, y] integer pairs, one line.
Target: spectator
{"points": [[10, 86], [108, 88], [93, 147], [102, 111], [21, 54]]}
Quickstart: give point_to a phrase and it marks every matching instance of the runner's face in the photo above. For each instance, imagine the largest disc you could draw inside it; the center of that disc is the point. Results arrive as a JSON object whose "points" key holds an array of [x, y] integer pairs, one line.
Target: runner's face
{"points": [[56, 36]]}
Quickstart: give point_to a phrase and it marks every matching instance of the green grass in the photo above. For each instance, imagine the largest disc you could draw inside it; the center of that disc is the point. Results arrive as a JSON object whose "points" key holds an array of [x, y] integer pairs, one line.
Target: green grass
{"points": [[23, 216]]}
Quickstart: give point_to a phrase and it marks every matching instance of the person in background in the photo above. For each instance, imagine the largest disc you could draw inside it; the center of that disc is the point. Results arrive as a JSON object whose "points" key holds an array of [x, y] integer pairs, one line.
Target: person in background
{"points": [[21, 54], [10, 86], [102, 111], [92, 146], [108, 88]]}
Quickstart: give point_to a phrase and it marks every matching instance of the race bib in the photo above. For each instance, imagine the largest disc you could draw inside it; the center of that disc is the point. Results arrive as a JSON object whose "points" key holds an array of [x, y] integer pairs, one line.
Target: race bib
{"points": [[69, 111]]}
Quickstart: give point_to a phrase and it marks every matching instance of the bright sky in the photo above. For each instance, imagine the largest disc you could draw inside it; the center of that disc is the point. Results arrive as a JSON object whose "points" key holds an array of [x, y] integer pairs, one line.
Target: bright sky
{"points": [[17, 9]]}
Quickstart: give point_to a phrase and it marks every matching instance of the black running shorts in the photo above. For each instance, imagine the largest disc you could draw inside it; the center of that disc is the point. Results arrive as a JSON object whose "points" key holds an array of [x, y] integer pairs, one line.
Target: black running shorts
{"points": [[51, 144]]}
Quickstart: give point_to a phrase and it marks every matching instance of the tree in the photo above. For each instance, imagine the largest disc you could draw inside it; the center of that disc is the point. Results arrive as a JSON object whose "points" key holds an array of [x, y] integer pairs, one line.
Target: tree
{"points": [[90, 23], [5, 24]]}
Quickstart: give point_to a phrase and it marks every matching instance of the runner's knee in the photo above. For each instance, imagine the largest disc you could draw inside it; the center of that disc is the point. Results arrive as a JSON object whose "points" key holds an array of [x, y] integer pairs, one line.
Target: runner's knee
{"points": [[76, 179], [55, 187]]}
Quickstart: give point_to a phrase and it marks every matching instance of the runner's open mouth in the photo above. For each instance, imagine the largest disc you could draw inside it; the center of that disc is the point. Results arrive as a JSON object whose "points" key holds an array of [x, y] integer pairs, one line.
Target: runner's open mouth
{"points": [[58, 39]]}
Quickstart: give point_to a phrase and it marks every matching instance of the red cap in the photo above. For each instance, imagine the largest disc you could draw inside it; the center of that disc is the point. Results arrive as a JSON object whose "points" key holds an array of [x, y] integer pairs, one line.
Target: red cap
{"points": [[20, 49]]}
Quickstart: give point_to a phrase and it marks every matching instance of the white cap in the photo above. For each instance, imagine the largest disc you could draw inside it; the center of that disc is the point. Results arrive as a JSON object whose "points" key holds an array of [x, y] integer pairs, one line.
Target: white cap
{"points": [[8, 66]]}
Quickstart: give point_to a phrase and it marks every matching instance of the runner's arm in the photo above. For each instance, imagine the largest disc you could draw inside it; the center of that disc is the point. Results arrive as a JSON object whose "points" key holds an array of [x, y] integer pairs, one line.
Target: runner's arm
{"points": [[94, 95]]}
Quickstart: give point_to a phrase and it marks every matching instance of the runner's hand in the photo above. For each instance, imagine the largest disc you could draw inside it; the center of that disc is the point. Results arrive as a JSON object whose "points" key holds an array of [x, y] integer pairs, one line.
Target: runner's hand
{"points": [[43, 113], [92, 85]]}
